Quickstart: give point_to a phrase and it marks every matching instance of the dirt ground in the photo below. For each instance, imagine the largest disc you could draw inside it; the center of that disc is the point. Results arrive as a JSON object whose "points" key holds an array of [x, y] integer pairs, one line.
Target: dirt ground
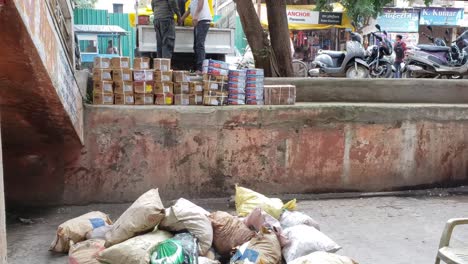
{"points": [[385, 230]]}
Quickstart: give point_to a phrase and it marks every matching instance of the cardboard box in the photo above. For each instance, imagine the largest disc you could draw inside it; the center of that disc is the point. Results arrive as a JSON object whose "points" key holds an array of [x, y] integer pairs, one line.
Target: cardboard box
{"points": [[163, 88], [214, 100], [237, 96], [181, 88], [255, 85], [103, 98], [101, 63], [164, 99], [280, 94], [123, 87], [195, 99], [119, 75], [143, 87], [260, 72], [215, 93], [210, 85], [102, 75], [236, 101], [181, 76], [238, 79], [196, 87], [144, 99], [163, 76], [124, 99], [162, 64], [143, 75], [141, 63], [237, 73], [236, 91], [215, 78], [255, 102], [120, 63], [236, 85], [103, 87], [255, 78], [215, 71], [216, 64], [181, 99]]}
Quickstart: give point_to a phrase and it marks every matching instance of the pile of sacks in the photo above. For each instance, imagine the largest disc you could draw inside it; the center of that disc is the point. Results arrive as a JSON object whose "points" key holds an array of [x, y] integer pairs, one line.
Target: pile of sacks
{"points": [[265, 231]]}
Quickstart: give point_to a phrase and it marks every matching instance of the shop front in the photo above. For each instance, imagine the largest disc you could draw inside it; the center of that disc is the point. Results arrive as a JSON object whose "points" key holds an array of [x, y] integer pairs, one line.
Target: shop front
{"points": [[313, 30], [397, 21], [442, 20]]}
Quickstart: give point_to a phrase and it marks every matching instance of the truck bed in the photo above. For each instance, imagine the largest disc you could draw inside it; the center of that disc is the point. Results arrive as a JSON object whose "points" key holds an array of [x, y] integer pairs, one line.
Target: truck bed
{"points": [[218, 40]]}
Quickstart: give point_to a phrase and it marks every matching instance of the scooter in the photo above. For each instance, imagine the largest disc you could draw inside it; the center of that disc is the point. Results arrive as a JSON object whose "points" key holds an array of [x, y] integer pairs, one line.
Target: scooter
{"points": [[350, 63], [380, 66], [429, 61]]}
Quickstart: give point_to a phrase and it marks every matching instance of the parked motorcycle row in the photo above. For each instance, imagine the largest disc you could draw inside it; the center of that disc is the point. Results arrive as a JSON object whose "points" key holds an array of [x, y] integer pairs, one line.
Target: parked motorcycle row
{"points": [[424, 61]]}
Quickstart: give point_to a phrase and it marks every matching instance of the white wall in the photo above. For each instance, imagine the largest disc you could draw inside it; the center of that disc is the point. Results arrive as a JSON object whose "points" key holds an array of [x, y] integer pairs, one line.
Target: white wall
{"points": [[128, 5]]}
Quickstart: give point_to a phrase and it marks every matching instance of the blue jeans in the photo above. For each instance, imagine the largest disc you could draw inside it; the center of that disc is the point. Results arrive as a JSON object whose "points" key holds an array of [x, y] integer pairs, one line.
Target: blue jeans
{"points": [[397, 74], [199, 37]]}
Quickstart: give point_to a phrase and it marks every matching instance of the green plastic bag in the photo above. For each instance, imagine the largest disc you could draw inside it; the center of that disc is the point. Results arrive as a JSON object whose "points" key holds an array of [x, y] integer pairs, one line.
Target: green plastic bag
{"points": [[168, 252]]}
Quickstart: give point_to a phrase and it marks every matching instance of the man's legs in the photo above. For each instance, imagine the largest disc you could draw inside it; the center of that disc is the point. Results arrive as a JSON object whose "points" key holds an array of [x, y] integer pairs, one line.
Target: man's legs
{"points": [[200, 32], [397, 70], [157, 28], [168, 40]]}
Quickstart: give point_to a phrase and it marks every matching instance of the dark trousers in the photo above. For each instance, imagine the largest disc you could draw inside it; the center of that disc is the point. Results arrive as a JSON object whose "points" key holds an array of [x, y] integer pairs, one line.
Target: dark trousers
{"points": [[199, 37], [397, 70], [165, 37]]}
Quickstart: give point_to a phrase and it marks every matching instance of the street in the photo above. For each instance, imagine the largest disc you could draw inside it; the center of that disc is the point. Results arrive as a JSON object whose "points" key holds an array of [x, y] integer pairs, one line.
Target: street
{"points": [[386, 230]]}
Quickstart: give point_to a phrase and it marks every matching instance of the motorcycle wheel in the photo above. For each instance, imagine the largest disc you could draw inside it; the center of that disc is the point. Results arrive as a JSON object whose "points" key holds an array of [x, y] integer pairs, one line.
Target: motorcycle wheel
{"points": [[300, 68], [383, 71], [357, 72]]}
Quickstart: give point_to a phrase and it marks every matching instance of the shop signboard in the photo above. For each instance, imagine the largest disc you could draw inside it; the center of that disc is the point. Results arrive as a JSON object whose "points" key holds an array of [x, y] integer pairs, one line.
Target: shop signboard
{"points": [[442, 16], [399, 20], [304, 17]]}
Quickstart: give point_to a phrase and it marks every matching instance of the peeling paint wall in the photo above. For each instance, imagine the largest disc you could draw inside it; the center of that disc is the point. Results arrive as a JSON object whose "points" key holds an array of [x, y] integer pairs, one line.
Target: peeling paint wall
{"points": [[204, 151]]}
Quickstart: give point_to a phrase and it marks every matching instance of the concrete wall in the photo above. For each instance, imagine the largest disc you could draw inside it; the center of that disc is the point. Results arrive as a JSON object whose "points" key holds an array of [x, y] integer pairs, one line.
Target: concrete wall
{"points": [[204, 151]]}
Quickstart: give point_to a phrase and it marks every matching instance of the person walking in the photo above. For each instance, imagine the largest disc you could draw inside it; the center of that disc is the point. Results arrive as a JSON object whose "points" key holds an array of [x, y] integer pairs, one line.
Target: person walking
{"points": [[399, 48], [201, 20], [164, 25]]}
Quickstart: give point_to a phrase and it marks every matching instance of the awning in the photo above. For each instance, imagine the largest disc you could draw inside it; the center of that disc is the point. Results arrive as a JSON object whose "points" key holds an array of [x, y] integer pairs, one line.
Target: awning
{"points": [[303, 17], [100, 29]]}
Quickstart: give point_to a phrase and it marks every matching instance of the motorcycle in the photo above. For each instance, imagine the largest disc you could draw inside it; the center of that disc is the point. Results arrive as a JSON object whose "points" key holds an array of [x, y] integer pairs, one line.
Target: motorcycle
{"points": [[350, 63], [438, 60], [380, 66]]}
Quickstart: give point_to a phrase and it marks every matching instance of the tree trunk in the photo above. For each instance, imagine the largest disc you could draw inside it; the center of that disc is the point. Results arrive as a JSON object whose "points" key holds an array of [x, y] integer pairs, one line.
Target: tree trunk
{"points": [[256, 36], [279, 36]]}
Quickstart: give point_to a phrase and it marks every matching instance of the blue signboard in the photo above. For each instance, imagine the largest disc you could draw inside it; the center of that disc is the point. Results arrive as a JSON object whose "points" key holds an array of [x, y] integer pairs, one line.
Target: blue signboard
{"points": [[442, 16], [399, 20]]}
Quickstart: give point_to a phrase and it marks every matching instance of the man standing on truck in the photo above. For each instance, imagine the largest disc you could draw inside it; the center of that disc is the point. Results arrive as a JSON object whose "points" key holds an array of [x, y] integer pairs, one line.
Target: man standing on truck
{"points": [[164, 25], [201, 20]]}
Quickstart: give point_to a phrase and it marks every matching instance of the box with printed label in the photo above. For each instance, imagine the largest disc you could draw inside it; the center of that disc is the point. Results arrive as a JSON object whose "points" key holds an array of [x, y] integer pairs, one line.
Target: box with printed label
{"points": [[181, 88], [143, 87], [214, 100], [144, 99], [238, 79], [216, 71], [101, 63], [181, 99], [123, 87], [120, 63], [164, 99], [119, 75], [195, 99], [280, 94], [163, 76], [216, 64], [237, 96], [260, 72], [236, 101], [254, 102], [215, 78], [236, 85], [162, 64], [180, 76], [237, 73], [141, 63], [163, 87], [102, 75], [124, 99], [255, 96], [236, 91], [196, 87], [103, 98], [255, 78], [254, 91], [210, 85], [103, 87], [256, 85], [143, 75], [215, 93]]}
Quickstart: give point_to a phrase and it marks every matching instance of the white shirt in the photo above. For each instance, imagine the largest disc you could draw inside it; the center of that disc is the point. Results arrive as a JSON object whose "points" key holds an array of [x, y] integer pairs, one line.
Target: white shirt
{"points": [[205, 12]]}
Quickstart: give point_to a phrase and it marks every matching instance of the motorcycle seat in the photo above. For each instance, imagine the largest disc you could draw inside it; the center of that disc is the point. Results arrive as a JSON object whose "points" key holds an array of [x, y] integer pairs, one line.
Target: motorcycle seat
{"points": [[334, 54], [433, 48]]}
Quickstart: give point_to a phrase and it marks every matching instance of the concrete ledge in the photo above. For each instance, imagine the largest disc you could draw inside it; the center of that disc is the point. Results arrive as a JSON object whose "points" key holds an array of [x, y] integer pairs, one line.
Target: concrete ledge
{"points": [[377, 90]]}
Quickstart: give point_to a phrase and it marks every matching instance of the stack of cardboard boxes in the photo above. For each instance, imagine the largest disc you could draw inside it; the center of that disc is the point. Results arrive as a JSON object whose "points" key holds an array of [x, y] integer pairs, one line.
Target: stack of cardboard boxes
{"points": [[215, 82], [115, 82]]}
